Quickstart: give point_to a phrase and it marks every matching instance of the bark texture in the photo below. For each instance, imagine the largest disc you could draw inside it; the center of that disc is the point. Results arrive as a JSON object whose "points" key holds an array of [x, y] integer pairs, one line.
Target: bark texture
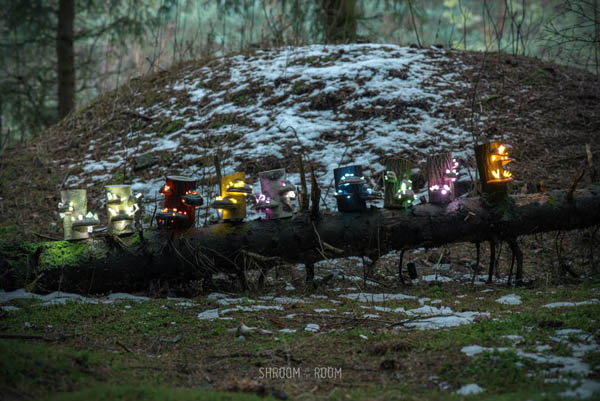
{"points": [[339, 20], [129, 264], [65, 55]]}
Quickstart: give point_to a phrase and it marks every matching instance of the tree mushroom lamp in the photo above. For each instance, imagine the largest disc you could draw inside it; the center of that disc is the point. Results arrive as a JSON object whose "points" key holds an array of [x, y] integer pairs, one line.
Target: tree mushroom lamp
{"points": [[232, 201], [181, 201], [277, 194], [351, 191], [442, 172], [78, 223]]}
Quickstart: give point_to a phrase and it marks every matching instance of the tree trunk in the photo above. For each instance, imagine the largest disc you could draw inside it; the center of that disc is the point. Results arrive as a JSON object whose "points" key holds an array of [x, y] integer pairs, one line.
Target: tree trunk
{"points": [[65, 56], [340, 19], [135, 263]]}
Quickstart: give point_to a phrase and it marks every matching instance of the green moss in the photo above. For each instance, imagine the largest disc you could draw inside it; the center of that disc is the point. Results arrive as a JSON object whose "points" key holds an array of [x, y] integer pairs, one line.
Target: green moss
{"points": [[134, 239], [120, 178], [170, 126], [29, 367], [554, 201], [298, 87], [219, 120], [60, 254], [9, 233], [29, 259]]}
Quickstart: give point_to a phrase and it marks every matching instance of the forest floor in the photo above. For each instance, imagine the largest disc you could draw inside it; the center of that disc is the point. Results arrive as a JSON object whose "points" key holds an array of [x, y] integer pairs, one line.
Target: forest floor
{"points": [[438, 338], [348, 104]]}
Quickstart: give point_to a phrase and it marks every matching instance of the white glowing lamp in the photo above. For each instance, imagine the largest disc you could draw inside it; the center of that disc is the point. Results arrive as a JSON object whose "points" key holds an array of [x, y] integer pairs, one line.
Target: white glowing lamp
{"points": [[78, 223], [122, 206]]}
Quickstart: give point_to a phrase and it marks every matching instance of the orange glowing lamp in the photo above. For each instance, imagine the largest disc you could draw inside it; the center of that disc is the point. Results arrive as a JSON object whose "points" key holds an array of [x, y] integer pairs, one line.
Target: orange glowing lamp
{"points": [[492, 163]]}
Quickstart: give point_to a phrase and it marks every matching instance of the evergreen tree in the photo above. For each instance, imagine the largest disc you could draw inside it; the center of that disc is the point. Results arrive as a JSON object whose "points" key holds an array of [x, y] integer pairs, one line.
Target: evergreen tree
{"points": [[49, 53]]}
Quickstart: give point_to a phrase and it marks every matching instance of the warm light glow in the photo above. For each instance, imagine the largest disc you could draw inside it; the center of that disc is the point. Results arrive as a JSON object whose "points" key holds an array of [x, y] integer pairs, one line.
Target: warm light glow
{"points": [[500, 158]]}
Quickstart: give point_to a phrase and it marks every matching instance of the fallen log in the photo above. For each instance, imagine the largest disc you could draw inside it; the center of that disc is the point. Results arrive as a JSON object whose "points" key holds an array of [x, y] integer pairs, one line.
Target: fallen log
{"points": [[109, 263]]}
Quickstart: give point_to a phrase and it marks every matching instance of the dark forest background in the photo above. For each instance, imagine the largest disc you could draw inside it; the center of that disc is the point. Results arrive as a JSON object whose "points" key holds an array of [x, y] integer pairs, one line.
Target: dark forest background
{"points": [[56, 56]]}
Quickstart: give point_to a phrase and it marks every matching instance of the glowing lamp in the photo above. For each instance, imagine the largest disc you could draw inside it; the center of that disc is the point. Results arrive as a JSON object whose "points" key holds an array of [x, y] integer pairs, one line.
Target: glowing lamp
{"points": [[351, 191], [121, 206], [442, 173], [193, 198], [232, 201], [398, 188], [277, 194], [78, 223], [492, 163], [181, 201]]}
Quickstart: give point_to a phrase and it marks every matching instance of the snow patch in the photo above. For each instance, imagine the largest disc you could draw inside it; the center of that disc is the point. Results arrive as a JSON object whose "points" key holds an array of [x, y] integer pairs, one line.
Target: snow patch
{"points": [[439, 322], [436, 277], [510, 299], [367, 297], [210, 314], [312, 327], [587, 389], [470, 389], [571, 304]]}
